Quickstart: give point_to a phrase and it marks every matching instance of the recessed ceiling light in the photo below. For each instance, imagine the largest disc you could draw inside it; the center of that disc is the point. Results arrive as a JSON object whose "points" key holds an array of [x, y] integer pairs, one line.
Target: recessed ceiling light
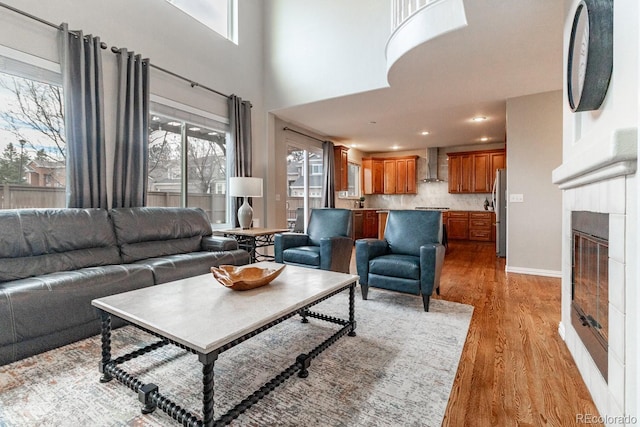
{"points": [[484, 138], [194, 128], [394, 147], [354, 145], [212, 133], [479, 119], [174, 123], [424, 132], [155, 118]]}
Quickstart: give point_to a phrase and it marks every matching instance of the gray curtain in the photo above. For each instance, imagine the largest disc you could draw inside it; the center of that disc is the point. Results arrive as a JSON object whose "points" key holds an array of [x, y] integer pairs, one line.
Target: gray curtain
{"points": [[329, 167], [240, 131], [132, 131], [81, 63]]}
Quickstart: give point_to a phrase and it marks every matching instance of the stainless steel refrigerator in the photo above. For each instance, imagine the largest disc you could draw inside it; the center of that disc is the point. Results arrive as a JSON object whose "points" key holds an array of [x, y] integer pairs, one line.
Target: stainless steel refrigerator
{"points": [[499, 197]]}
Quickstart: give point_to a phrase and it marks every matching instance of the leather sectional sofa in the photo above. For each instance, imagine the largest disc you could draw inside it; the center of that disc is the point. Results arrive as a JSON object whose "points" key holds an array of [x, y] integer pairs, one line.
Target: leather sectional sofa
{"points": [[53, 262]]}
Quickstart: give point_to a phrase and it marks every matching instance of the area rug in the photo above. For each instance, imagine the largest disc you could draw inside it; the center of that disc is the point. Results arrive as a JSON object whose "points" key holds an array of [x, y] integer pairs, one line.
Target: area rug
{"points": [[398, 371]]}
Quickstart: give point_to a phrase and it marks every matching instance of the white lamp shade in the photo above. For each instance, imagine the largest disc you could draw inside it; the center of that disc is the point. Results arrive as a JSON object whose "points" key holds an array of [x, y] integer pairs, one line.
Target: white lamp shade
{"points": [[245, 186]]}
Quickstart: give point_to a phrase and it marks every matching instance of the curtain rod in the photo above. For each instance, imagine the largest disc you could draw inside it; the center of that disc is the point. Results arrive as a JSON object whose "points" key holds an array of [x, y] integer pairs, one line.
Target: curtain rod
{"points": [[114, 49], [303, 134], [178, 76], [103, 45]]}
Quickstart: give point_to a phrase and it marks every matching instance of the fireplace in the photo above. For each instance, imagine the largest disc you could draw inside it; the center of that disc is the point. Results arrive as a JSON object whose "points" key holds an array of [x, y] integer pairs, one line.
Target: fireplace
{"points": [[590, 284]]}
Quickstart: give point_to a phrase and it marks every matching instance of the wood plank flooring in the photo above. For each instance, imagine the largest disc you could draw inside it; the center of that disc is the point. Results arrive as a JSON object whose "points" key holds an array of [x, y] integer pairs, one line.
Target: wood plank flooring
{"points": [[515, 370]]}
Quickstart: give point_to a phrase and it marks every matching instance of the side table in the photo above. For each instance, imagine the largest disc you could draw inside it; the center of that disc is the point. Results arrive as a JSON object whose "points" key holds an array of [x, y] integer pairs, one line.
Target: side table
{"points": [[252, 239]]}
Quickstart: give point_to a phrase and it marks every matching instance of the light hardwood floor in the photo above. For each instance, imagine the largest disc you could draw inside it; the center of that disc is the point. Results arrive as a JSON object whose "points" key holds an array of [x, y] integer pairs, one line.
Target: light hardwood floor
{"points": [[515, 370]]}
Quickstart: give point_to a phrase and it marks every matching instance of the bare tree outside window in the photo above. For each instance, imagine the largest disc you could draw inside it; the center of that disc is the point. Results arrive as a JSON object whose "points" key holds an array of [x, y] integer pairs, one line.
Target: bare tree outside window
{"points": [[205, 161], [32, 143]]}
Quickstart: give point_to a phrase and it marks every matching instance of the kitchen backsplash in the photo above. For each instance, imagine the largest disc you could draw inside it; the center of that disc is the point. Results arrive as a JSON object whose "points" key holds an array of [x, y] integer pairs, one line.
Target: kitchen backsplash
{"points": [[435, 194]]}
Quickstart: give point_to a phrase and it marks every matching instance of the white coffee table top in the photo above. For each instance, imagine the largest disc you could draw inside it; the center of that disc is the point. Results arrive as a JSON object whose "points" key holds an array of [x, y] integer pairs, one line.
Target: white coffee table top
{"points": [[204, 315]]}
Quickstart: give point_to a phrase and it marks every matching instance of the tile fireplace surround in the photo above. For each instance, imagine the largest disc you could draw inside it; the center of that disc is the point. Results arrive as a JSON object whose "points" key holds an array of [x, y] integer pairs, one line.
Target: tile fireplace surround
{"points": [[602, 179]]}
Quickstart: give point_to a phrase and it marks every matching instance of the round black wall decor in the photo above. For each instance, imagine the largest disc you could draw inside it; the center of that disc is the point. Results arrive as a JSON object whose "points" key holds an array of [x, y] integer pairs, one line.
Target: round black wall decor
{"points": [[590, 58]]}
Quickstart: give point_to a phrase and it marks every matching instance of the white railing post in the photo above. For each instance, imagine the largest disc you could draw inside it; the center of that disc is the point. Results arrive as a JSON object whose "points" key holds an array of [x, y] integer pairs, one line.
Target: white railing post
{"points": [[402, 10]]}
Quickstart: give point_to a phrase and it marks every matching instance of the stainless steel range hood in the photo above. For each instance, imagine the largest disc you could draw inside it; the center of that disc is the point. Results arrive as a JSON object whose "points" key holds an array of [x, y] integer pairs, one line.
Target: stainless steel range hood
{"points": [[432, 165]]}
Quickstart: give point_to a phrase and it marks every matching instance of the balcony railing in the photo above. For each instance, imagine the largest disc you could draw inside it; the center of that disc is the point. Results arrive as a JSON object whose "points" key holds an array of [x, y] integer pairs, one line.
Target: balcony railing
{"points": [[404, 9]]}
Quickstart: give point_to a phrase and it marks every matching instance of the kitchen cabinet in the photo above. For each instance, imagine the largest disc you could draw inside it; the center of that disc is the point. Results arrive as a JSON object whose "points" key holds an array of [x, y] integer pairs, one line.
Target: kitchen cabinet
{"points": [[389, 175], [458, 225], [460, 173], [471, 225], [370, 228], [474, 171], [372, 176], [365, 224], [498, 161], [341, 161], [357, 227], [482, 226]]}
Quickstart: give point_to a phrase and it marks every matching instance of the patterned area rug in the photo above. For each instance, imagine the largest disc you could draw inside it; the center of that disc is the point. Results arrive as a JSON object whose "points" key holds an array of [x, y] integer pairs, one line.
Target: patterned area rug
{"points": [[398, 370]]}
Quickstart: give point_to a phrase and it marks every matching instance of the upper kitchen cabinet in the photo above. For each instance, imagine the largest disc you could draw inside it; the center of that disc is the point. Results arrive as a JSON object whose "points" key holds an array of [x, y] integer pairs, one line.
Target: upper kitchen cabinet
{"points": [[389, 175], [341, 160], [474, 171], [372, 176]]}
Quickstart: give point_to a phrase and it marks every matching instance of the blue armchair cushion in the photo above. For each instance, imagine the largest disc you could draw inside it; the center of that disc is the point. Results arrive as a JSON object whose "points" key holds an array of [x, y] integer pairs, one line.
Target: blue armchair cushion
{"points": [[303, 255], [403, 266]]}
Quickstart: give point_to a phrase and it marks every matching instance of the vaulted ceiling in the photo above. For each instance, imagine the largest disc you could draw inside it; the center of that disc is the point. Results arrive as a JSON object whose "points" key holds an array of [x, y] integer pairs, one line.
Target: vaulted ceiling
{"points": [[510, 48]]}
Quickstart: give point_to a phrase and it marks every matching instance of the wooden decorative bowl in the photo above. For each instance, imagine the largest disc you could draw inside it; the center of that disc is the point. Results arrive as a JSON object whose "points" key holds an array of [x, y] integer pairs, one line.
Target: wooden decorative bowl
{"points": [[245, 277]]}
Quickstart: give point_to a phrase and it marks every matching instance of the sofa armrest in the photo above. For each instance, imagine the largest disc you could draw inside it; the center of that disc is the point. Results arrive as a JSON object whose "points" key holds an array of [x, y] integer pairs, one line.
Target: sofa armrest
{"points": [[335, 253], [366, 250], [431, 261], [284, 241], [218, 243]]}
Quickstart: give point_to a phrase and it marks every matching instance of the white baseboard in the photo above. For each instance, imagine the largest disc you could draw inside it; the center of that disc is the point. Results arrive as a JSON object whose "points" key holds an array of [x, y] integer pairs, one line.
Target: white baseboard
{"points": [[561, 330], [534, 271]]}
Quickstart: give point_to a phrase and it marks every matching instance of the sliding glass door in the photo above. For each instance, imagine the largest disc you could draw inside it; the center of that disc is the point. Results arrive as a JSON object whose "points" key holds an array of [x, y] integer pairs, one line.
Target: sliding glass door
{"points": [[304, 184]]}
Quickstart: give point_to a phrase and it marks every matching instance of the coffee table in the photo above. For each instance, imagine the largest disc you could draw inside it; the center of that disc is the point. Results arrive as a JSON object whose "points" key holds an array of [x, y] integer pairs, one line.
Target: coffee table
{"points": [[205, 318]]}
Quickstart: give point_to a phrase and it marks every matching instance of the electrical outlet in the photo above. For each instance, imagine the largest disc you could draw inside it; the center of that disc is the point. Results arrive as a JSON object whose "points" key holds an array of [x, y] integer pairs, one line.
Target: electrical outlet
{"points": [[516, 198]]}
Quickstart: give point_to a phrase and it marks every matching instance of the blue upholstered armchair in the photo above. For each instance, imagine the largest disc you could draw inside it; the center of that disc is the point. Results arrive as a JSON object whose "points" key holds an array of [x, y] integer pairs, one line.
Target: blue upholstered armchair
{"points": [[410, 257], [327, 245]]}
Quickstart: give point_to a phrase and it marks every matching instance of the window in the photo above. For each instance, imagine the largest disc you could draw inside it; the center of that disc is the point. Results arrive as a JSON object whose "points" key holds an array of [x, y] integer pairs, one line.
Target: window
{"points": [[353, 173], [32, 139], [219, 15], [188, 162], [304, 189]]}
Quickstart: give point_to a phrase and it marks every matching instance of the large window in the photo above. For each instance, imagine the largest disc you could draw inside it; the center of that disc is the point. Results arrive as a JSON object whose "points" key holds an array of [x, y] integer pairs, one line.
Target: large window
{"points": [[188, 162], [219, 15], [32, 140]]}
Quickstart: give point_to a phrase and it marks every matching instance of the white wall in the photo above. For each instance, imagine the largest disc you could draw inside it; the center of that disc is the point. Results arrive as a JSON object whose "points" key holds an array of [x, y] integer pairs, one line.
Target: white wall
{"points": [[317, 50], [534, 149], [171, 39]]}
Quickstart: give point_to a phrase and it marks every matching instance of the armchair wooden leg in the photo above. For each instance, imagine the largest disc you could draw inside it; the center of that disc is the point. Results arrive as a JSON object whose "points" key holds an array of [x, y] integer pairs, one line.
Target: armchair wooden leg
{"points": [[425, 302], [438, 290], [365, 291]]}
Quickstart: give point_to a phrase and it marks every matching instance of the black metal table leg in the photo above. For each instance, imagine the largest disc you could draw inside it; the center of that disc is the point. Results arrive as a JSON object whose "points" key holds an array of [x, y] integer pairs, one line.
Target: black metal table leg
{"points": [[207, 360], [352, 309], [105, 332]]}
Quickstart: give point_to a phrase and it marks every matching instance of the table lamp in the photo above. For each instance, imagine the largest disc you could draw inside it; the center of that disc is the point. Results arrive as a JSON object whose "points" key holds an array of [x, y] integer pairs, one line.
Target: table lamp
{"points": [[245, 186]]}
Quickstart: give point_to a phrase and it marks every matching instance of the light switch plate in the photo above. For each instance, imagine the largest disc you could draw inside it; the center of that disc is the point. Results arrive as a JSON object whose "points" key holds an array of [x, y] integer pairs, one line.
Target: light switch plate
{"points": [[516, 198]]}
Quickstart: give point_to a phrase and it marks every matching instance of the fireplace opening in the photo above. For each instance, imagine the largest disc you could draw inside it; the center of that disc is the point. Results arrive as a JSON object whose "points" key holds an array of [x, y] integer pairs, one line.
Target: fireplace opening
{"points": [[590, 284]]}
